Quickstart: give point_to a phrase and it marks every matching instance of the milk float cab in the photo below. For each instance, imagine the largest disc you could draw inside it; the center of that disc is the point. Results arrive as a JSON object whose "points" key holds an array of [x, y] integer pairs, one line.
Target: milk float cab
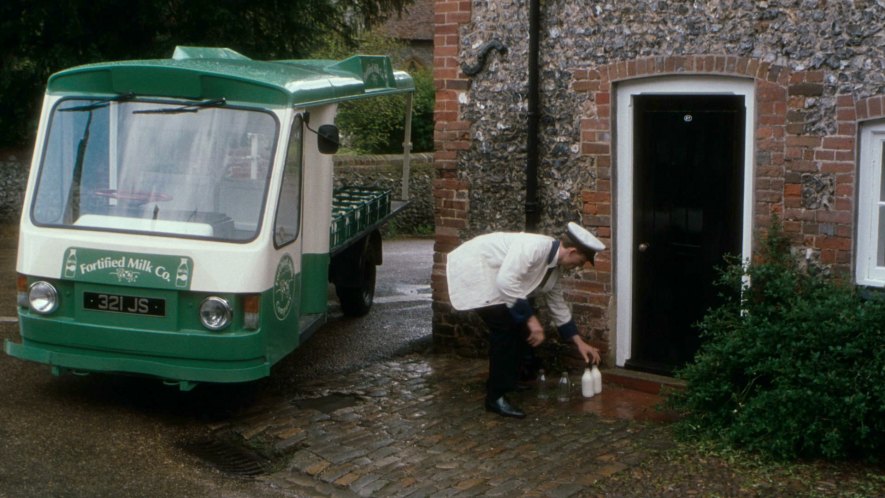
{"points": [[180, 219]]}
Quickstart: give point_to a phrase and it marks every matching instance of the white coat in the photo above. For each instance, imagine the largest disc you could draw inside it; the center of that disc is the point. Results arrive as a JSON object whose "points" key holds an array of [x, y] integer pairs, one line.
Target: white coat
{"points": [[502, 267]]}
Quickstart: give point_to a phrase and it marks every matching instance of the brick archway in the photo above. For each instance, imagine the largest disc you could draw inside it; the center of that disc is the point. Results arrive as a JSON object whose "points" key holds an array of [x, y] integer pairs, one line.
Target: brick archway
{"points": [[772, 92], [870, 108], [785, 156]]}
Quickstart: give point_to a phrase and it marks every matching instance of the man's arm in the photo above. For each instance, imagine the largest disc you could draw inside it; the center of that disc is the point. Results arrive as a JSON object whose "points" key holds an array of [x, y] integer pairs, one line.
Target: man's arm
{"points": [[522, 268], [586, 350], [536, 331], [523, 265]]}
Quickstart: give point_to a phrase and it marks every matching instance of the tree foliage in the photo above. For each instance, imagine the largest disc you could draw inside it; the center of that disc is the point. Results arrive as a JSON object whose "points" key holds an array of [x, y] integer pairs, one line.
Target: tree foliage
{"points": [[40, 37], [792, 364], [376, 126]]}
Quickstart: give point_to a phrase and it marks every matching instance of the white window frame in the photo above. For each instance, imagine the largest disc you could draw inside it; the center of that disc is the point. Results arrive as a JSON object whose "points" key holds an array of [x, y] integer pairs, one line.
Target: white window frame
{"points": [[869, 203]]}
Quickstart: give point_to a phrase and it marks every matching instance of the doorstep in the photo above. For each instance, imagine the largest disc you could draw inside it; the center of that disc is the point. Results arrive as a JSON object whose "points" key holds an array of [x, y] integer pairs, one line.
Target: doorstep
{"points": [[641, 381]]}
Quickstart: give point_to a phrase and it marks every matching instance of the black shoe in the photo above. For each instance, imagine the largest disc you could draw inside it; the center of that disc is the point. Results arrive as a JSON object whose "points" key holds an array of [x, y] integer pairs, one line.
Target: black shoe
{"points": [[502, 407]]}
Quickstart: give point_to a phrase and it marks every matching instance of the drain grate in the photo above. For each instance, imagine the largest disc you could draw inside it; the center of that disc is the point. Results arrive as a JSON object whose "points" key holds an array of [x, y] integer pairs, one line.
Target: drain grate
{"points": [[229, 458]]}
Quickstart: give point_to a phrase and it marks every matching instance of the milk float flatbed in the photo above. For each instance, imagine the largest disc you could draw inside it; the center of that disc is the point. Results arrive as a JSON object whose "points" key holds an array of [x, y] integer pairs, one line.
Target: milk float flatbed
{"points": [[180, 219]]}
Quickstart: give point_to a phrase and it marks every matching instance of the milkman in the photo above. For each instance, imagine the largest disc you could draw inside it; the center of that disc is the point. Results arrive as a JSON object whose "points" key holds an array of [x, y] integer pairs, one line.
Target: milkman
{"points": [[496, 274]]}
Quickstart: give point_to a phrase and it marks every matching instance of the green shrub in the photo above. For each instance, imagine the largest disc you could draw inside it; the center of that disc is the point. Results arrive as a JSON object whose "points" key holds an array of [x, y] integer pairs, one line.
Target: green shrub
{"points": [[376, 126], [792, 363]]}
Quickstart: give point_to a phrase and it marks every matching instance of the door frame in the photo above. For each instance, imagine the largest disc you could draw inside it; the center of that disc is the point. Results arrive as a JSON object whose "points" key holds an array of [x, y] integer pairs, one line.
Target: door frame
{"points": [[682, 85]]}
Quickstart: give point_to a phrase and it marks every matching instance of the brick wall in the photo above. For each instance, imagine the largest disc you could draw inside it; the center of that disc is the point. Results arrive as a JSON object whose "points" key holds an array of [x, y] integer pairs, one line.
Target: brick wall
{"points": [[450, 135]]}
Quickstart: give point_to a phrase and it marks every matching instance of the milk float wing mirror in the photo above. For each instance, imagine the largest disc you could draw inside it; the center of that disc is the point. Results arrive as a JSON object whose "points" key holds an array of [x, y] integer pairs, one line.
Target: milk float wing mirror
{"points": [[327, 139]]}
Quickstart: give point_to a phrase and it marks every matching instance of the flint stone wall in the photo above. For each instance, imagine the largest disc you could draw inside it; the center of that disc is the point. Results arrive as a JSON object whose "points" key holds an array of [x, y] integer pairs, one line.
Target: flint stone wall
{"points": [[14, 167], [819, 68], [843, 39], [377, 171], [385, 171]]}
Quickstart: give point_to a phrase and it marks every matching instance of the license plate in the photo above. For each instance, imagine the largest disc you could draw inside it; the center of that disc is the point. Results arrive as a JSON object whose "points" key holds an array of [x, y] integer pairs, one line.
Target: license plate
{"points": [[124, 304]]}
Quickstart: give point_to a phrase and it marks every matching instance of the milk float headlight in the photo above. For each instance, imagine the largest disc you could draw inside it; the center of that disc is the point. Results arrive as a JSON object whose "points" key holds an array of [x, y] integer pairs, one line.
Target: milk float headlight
{"points": [[215, 313], [42, 297]]}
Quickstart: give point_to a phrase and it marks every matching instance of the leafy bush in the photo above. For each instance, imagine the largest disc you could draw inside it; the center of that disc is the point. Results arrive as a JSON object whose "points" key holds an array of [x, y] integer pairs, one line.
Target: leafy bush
{"points": [[376, 126], [792, 364]]}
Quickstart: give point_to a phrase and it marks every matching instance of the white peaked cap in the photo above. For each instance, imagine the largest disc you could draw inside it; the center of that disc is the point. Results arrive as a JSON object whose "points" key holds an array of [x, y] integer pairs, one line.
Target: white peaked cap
{"points": [[582, 238]]}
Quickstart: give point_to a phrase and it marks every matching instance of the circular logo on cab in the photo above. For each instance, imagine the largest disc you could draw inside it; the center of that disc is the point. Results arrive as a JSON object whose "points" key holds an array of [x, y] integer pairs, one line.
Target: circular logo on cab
{"points": [[284, 288]]}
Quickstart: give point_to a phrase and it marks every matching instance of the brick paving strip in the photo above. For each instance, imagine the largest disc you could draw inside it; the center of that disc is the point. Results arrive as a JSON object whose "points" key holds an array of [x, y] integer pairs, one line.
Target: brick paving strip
{"points": [[416, 427]]}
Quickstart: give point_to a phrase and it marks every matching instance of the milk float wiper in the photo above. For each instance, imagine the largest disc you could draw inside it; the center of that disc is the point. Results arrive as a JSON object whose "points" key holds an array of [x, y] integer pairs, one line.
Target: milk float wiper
{"points": [[98, 104], [193, 107]]}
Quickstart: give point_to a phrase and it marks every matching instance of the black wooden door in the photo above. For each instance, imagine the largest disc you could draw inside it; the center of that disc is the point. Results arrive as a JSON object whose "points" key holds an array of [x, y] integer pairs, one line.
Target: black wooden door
{"points": [[688, 184]]}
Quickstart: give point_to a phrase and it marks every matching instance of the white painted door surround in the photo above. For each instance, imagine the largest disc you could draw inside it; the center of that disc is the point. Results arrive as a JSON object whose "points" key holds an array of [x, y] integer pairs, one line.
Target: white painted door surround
{"points": [[623, 229]]}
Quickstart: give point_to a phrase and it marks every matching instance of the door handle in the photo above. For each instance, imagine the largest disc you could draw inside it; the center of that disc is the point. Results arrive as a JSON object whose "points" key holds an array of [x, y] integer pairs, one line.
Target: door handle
{"points": [[643, 247]]}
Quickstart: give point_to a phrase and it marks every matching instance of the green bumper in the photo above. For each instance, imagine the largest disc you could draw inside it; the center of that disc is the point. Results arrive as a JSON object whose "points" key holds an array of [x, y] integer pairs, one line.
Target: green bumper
{"points": [[178, 357]]}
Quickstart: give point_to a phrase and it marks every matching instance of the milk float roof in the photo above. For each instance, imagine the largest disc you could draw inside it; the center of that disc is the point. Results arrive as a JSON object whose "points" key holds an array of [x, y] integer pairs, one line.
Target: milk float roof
{"points": [[215, 73]]}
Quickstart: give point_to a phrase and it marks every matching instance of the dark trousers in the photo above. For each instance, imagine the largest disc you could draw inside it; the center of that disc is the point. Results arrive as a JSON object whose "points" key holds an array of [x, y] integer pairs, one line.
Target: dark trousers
{"points": [[507, 345]]}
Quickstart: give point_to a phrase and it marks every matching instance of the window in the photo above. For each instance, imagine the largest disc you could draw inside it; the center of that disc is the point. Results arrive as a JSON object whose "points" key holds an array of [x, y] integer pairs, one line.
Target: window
{"points": [[871, 207], [288, 217], [157, 167]]}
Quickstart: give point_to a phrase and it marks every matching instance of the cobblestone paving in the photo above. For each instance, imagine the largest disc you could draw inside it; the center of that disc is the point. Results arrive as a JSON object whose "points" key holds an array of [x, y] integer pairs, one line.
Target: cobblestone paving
{"points": [[416, 427]]}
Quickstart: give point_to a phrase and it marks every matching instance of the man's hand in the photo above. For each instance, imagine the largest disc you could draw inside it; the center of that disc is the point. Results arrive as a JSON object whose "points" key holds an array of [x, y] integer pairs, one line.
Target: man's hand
{"points": [[536, 331], [586, 350]]}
